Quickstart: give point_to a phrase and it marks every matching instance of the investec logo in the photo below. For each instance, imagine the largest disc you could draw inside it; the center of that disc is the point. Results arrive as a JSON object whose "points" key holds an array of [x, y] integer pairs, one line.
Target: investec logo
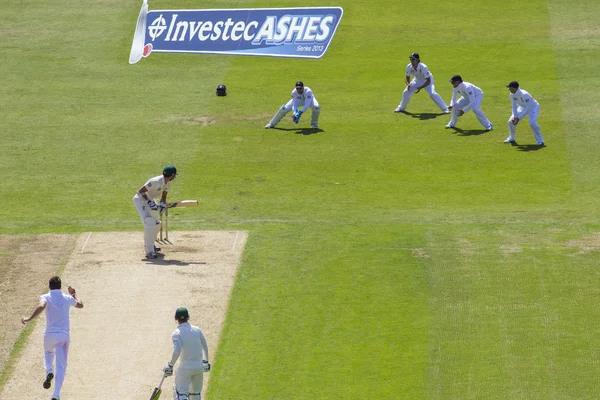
{"points": [[276, 32], [273, 30]]}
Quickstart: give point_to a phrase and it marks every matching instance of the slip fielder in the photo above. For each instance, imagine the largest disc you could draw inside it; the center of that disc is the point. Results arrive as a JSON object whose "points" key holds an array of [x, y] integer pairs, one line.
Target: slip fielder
{"points": [[145, 203], [523, 105], [423, 79]]}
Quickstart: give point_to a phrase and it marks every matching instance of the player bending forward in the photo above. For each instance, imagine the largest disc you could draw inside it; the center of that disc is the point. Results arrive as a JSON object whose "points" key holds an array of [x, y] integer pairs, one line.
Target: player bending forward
{"points": [[302, 96], [423, 79], [145, 203], [190, 347]]}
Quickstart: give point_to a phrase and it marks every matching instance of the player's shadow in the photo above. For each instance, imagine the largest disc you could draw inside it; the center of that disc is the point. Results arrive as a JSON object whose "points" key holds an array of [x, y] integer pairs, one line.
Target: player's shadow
{"points": [[469, 132], [423, 116], [301, 131], [161, 260], [529, 147]]}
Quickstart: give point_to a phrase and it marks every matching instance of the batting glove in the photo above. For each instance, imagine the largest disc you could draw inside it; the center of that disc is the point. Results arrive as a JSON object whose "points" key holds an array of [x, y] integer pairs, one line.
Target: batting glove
{"points": [[162, 207], [168, 370], [152, 205], [206, 366]]}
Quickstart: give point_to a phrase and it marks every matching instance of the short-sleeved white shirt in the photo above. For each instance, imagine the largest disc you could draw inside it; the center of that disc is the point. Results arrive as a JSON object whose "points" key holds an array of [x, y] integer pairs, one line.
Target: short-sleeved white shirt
{"points": [[156, 186], [421, 73], [57, 311]]}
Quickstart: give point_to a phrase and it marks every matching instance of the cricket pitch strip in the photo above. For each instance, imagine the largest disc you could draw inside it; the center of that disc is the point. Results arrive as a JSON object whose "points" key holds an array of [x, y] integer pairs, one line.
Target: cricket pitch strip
{"points": [[121, 339]]}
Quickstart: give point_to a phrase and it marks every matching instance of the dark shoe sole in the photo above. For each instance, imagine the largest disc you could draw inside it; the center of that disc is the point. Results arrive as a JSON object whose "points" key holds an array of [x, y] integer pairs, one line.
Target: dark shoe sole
{"points": [[47, 383]]}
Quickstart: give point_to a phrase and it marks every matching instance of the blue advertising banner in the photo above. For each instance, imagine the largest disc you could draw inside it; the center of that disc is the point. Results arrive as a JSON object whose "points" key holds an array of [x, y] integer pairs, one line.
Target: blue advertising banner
{"points": [[276, 32]]}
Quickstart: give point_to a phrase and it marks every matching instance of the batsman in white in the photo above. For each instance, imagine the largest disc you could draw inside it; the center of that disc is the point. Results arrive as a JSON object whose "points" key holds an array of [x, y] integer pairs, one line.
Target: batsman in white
{"points": [[471, 98], [523, 105], [145, 203], [57, 334], [423, 79], [302, 96], [190, 347]]}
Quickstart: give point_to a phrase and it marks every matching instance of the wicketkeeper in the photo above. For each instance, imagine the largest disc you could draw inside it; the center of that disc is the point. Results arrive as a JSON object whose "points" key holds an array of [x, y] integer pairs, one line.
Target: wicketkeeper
{"points": [[302, 96], [190, 347], [145, 201]]}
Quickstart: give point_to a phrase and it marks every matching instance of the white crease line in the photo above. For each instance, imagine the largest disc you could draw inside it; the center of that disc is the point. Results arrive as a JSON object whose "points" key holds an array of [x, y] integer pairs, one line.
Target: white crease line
{"points": [[235, 241], [86, 241]]}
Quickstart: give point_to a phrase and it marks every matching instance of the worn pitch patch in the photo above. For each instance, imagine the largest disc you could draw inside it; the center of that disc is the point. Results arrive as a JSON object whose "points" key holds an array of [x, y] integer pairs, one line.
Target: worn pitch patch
{"points": [[121, 339]]}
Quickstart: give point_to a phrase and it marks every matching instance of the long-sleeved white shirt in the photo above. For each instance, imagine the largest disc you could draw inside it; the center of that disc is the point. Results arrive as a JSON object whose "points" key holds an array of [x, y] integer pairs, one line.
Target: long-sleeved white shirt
{"points": [[305, 99], [189, 346], [522, 98], [466, 90]]}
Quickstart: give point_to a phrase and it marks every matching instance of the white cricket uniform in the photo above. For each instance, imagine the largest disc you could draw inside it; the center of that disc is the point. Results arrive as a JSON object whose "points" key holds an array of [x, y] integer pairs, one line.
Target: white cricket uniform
{"points": [[523, 105], [190, 347], [471, 98], [56, 335], [150, 218], [420, 74], [305, 101]]}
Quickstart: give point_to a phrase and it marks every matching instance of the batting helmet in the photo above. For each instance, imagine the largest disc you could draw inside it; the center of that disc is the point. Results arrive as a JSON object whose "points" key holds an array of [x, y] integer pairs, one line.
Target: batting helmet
{"points": [[221, 90], [169, 171], [181, 313]]}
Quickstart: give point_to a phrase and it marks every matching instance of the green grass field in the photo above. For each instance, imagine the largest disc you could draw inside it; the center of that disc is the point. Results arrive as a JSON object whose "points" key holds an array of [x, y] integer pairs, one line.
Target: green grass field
{"points": [[388, 258]]}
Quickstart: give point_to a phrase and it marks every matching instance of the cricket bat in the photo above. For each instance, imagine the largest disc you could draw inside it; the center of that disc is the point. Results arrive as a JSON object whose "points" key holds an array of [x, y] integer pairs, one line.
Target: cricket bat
{"points": [[157, 390], [183, 203]]}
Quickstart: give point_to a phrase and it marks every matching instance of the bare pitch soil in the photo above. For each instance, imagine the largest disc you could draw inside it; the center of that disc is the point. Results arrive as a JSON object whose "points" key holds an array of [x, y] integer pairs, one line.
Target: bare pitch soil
{"points": [[121, 339]]}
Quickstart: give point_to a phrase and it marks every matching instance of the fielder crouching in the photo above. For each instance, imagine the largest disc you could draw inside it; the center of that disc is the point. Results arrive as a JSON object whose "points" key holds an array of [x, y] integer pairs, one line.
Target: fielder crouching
{"points": [[302, 96], [190, 347]]}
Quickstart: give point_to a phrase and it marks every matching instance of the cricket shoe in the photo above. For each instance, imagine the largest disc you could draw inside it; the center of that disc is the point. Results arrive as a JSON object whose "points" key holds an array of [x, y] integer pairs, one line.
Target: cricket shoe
{"points": [[152, 255], [268, 126], [157, 249], [48, 382], [399, 109], [510, 140], [446, 111], [315, 127], [490, 128], [540, 143], [449, 126]]}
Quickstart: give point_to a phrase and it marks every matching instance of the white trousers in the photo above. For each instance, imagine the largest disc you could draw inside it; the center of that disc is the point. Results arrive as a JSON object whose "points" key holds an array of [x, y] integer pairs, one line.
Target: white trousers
{"points": [[462, 102], [188, 383], [56, 348], [283, 110], [430, 89], [535, 127], [150, 220]]}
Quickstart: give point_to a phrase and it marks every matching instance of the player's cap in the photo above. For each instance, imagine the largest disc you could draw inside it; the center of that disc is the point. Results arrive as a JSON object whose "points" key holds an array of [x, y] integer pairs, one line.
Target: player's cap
{"points": [[181, 313], [455, 78], [299, 84], [414, 56], [514, 84], [169, 171]]}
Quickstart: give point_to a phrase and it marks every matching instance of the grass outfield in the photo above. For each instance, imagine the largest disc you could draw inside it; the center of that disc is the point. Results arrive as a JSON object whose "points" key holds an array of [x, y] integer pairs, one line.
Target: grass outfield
{"points": [[388, 258]]}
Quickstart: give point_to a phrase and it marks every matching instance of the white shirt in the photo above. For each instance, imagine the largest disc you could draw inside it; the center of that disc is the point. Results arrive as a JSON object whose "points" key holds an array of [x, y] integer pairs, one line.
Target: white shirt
{"points": [[190, 345], [421, 73], [305, 99], [155, 187], [522, 98], [466, 90], [57, 311]]}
